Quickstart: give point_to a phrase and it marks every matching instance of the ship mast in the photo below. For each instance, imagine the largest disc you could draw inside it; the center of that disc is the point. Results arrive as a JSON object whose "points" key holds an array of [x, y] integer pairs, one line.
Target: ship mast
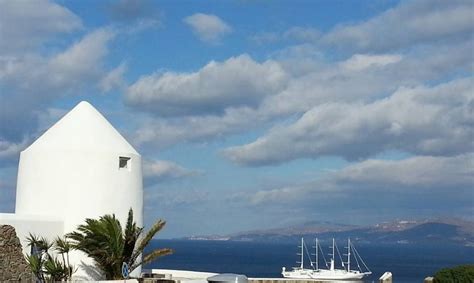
{"points": [[317, 260], [333, 253], [302, 257], [349, 255]]}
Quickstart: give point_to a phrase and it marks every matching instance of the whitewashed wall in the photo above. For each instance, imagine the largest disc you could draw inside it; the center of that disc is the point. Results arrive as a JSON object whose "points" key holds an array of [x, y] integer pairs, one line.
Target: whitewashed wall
{"points": [[46, 227]]}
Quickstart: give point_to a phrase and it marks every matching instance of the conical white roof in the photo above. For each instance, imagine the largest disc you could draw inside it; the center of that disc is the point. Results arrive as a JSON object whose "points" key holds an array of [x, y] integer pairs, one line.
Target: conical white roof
{"points": [[82, 129]]}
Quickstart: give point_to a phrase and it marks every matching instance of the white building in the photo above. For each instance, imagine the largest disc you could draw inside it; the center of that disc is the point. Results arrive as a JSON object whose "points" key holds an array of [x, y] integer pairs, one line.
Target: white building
{"points": [[80, 168]]}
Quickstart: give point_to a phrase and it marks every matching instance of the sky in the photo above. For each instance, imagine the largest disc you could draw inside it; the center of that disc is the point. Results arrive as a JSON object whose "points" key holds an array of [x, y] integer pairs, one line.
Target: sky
{"points": [[256, 114]]}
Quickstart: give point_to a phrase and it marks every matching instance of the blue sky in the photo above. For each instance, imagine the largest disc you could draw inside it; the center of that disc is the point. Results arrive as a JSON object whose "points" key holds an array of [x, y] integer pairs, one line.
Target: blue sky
{"points": [[256, 114]]}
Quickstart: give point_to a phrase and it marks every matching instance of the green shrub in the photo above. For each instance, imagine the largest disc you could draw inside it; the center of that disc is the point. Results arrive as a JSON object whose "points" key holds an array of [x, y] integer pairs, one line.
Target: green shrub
{"points": [[44, 264], [458, 274]]}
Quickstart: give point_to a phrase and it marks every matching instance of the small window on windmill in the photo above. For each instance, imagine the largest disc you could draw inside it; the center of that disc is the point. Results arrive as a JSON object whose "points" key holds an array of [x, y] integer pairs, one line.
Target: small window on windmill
{"points": [[124, 163]]}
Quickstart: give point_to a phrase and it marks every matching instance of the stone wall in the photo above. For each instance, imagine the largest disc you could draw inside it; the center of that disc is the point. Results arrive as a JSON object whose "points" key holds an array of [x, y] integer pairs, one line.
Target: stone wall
{"points": [[13, 266]]}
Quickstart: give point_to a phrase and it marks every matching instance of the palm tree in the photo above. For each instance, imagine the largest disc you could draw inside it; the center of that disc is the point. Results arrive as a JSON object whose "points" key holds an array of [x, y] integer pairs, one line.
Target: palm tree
{"points": [[39, 255], [63, 247], [56, 270], [43, 264], [104, 241], [36, 265]]}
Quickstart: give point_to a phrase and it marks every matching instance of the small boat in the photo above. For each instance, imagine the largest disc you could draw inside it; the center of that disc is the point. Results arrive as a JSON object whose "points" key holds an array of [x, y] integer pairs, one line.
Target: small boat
{"points": [[331, 272]]}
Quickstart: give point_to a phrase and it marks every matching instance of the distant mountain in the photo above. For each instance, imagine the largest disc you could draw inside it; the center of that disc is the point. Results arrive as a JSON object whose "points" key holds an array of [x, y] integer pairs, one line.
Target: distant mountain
{"points": [[305, 228], [448, 231]]}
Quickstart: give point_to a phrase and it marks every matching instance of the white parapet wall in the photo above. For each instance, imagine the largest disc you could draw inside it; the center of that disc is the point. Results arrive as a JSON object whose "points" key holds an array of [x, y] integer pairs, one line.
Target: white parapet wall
{"points": [[183, 275], [386, 277], [112, 281], [44, 226]]}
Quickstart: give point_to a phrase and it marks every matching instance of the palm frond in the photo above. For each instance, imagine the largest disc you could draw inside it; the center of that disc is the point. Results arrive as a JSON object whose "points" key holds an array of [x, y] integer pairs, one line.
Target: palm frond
{"points": [[102, 240], [109, 246], [32, 239], [44, 244], [151, 233], [147, 238], [62, 245], [152, 256], [132, 232], [56, 270], [34, 261]]}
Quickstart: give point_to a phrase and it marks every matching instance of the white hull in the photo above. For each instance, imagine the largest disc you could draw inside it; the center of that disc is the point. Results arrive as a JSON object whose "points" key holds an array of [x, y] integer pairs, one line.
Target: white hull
{"points": [[298, 274], [323, 274]]}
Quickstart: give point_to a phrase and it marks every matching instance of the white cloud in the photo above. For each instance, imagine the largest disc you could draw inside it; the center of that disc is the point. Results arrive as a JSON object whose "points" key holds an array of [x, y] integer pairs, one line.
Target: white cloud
{"points": [[10, 150], [82, 60], [26, 24], [210, 104], [155, 171], [77, 65], [422, 120], [378, 76], [208, 28], [362, 61], [114, 79], [451, 177], [165, 132], [426, 172], [405, 25], [307, 34], [30, 82], [239, 81]]}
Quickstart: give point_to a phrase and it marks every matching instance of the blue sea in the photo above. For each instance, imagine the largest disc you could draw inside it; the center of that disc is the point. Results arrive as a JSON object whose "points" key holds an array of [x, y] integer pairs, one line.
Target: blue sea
{"points": [[408, 263]]}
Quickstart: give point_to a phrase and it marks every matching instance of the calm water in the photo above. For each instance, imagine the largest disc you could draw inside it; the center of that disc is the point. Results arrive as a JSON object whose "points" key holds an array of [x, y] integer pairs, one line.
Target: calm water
{"points": [[407, 263]]}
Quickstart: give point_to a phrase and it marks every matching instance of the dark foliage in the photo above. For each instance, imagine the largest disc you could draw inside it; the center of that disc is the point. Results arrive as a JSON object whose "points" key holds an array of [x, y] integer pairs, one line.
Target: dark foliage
{"points": [[459, 274]]}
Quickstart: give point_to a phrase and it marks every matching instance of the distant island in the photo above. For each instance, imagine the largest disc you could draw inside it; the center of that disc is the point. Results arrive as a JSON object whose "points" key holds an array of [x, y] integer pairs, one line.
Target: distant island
{"points": [[427, 231]]}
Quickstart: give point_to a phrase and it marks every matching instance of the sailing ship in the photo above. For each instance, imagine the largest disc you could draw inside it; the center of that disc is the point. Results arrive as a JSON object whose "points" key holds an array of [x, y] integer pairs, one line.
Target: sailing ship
{"points": [[330, 272]]}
